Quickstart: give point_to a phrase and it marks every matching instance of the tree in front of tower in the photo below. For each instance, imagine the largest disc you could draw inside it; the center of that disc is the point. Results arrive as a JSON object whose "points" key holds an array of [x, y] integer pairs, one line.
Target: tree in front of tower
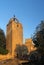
{"points": [[21, 51], [2, 42]]}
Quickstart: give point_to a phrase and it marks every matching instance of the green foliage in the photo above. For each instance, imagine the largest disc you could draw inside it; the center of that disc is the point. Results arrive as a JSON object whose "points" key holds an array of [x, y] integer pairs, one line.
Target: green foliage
{"points": [[2, 39], [3, 51], [18, 51], [38, 37], [2, 43], [24, 50], [21, 50]]}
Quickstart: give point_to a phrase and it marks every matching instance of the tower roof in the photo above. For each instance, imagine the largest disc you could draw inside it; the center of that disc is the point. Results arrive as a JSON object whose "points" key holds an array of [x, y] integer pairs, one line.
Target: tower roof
{"points": [[13, 19]]}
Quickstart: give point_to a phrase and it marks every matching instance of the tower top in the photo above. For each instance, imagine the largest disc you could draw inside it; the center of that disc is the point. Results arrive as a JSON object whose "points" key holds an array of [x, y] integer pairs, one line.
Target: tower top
{"points": [[13, 19]]}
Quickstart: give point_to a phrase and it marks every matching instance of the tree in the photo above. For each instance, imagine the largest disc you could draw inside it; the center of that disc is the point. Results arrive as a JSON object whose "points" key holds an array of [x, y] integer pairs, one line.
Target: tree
{"points": [[3, 51], [2, 43], [38, 37], [18, 51], [21, 50], [2, 39], [24, 50]]}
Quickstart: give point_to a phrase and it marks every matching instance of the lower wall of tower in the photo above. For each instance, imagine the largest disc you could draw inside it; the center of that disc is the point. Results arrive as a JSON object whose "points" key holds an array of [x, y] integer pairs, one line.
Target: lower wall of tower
{"points": [[5, 57]]}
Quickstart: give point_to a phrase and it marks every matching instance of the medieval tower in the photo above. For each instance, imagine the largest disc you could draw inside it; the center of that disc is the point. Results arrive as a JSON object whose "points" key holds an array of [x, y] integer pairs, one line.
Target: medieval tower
{"points": [[14, 35]]}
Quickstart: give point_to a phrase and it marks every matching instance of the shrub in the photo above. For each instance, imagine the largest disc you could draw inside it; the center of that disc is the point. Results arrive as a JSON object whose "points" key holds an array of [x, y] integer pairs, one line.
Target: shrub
{"points": [[3, 51]]}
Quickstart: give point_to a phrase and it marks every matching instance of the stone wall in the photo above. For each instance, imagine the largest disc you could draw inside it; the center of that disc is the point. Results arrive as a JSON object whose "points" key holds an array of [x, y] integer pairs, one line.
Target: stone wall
{"points": [[14, 36], [30, 45], [5, 57]]}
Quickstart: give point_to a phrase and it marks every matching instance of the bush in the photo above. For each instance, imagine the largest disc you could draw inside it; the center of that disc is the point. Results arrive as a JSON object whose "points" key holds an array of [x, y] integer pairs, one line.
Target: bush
{"points": [[3, 51]]}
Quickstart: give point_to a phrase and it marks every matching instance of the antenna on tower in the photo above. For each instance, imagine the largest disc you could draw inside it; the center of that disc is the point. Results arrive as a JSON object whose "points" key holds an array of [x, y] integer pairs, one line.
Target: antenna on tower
{"points": [[14, 17]]}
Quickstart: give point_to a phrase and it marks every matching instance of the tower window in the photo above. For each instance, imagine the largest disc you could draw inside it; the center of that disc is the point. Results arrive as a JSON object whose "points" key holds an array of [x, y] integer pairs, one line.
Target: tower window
{"points": [[17, 25]]}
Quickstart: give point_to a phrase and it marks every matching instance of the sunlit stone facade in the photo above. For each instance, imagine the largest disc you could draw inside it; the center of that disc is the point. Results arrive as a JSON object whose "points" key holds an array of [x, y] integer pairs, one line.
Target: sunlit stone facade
{"points": [[14, 35], [30, 45]]}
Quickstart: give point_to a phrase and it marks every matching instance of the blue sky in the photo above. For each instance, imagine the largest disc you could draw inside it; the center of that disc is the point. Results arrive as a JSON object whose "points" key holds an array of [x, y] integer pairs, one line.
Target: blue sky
{"points": [[28, 12]]}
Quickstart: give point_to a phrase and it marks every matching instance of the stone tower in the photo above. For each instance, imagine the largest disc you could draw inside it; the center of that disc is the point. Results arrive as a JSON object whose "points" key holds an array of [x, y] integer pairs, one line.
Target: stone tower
{"points": [[14, 35]]}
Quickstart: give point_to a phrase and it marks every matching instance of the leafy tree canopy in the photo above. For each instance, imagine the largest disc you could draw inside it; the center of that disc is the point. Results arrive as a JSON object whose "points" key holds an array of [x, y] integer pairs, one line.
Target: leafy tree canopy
{"points": [[21, 50], [2, 39], [38, 37], [2, 42]]}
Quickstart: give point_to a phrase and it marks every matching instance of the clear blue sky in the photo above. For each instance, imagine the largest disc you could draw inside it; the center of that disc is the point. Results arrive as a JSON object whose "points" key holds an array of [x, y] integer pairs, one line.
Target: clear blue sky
{"points": [[28, 12]]}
